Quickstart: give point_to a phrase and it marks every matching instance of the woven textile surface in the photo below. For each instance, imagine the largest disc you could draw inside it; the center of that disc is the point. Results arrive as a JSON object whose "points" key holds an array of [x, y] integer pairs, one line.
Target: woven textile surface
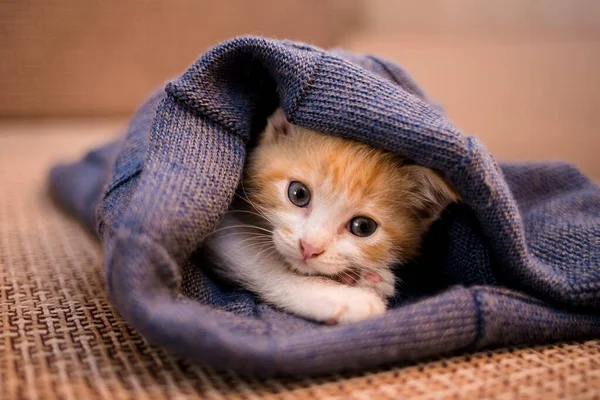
{"points": [[60, 337], [517, 263]]}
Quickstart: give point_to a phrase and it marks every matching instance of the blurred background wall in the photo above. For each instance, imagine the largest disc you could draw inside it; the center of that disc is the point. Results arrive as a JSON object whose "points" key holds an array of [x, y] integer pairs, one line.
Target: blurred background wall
{"points": [[101, 57], [524, 75]]}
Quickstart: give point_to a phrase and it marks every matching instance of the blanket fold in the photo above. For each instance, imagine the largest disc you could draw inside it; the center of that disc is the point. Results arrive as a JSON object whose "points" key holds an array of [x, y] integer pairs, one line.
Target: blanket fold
{"points": [[517, 263]]}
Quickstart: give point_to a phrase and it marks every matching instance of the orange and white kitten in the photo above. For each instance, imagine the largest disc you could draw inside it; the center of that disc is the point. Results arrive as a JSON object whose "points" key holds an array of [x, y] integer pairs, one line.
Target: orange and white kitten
{"points": [[327, 220]]}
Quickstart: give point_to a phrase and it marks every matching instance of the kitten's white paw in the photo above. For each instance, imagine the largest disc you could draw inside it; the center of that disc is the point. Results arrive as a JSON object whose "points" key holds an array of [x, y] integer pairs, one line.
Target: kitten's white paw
{"points": [[350, 305], [383, 285]]}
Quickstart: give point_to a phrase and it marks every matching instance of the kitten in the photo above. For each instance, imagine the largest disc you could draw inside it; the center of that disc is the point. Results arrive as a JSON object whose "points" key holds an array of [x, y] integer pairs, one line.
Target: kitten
{"points": [[326, 221]]}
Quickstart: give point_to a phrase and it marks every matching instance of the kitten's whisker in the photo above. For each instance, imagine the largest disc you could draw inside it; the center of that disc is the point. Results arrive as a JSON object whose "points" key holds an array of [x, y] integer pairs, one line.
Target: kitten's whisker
{"points": [[247, 212], [242, 226], [254, 233], [246, 194], [344, 274], [273, 253], [260, 234], [370, 268], [262, 245], [253, 239], [254, 206], [251, 203], [262, 237], [261, 255], [352, 274], [243, 198], [362, 269], [257, 255]]}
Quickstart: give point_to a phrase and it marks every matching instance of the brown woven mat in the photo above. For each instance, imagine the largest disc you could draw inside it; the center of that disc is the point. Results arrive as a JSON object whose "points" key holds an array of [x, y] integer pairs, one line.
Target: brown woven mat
{"points": [[61, 338]]}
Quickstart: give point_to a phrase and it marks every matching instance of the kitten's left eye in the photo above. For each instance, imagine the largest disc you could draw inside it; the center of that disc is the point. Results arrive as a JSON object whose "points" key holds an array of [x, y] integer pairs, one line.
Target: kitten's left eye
{"points": [[362, 226], [299, 194]]}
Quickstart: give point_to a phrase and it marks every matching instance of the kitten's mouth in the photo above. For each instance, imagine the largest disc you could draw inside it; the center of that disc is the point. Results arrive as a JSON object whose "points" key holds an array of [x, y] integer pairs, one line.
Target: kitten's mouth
{"points": [[300, 267], [348, 276]]}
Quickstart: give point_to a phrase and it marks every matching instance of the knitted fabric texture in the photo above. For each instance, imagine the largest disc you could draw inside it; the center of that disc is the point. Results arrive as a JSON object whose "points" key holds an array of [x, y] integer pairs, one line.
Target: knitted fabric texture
{"points": [[518, 262]]}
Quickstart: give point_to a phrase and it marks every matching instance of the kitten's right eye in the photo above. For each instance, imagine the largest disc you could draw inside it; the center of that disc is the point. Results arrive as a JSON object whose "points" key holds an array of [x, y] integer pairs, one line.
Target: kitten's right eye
{"points": [[362, 226], [299, 194]]}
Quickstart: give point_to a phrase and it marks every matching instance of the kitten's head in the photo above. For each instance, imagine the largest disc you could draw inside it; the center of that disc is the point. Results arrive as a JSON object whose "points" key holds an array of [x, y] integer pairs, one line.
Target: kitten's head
{"points": [[335, 205]]}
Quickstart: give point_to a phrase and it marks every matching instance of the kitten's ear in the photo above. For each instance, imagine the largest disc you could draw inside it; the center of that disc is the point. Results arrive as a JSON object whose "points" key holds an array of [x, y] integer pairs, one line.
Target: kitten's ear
{"points": [[277, 126], [433, 193]]}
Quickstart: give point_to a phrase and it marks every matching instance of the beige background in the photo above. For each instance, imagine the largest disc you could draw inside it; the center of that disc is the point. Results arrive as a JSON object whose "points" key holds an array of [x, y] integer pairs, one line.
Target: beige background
{"points": [[523, 75], [102, 57]]}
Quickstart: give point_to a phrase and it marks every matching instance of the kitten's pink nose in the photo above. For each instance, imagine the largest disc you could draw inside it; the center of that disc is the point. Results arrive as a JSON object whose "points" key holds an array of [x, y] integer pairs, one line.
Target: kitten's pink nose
{"points": [[309, 251]]}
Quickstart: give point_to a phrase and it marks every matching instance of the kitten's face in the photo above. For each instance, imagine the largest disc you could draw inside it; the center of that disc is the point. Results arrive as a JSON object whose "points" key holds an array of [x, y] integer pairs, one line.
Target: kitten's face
{"points": [[336, 206]]}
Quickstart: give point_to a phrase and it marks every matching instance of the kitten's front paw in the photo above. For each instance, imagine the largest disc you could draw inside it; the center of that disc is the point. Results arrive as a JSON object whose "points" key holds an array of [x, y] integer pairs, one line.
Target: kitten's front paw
{"points": [[351, 305], [381, 283]]}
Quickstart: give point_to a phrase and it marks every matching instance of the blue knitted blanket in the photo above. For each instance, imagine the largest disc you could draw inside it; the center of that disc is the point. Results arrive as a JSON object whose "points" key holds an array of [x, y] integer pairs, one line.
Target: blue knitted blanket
{"points": [[517, 263]]}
